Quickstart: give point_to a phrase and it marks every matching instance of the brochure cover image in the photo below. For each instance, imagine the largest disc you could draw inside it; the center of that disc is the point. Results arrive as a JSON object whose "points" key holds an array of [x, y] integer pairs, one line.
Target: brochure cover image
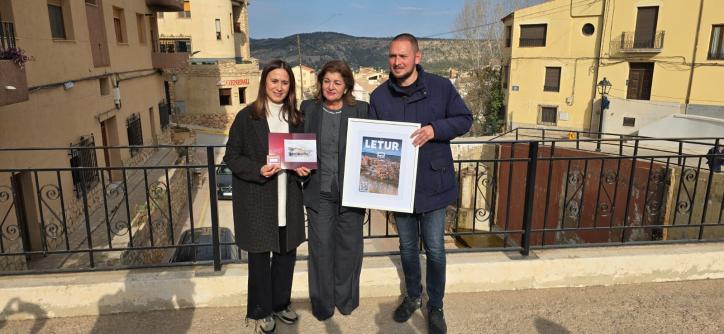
{"points": [[380, 165]]}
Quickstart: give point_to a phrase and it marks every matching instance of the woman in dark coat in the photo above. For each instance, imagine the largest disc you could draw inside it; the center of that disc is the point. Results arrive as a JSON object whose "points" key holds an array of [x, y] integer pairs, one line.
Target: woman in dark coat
{"points": [[335, 231], [267, 201]]}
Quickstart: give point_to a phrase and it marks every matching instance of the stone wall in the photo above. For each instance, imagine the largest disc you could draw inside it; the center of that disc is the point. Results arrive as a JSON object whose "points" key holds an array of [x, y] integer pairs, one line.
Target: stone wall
{"points": [[211, 120], [163, 229]]}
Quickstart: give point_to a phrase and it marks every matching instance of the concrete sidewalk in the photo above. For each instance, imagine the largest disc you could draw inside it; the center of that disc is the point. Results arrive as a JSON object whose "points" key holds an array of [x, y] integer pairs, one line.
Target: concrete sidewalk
{"points": [[675, 307]]}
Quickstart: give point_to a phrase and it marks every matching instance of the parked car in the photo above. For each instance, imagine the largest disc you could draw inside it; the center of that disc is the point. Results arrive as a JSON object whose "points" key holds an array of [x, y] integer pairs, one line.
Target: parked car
{"points": [[223, 182], [202, 235]]}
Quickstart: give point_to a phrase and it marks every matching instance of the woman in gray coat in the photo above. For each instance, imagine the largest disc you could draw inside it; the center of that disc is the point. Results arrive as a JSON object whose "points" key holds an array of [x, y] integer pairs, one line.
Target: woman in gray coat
{"points": [[335, 231], [267, 201]]}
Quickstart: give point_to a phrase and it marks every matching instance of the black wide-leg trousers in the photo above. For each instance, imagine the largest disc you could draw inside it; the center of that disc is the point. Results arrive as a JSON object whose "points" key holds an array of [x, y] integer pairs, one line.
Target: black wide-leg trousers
{"points": [[270, 280]]}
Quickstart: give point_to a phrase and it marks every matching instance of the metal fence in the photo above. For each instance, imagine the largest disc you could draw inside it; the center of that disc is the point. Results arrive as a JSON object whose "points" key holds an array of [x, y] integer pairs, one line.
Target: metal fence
{"points": [[7, 36], [515, 195], [630, 40], [134, 132]]}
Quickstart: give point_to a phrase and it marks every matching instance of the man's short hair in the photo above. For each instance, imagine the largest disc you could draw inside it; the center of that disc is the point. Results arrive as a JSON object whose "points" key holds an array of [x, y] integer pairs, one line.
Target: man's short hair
{"points": [[407, 37]]}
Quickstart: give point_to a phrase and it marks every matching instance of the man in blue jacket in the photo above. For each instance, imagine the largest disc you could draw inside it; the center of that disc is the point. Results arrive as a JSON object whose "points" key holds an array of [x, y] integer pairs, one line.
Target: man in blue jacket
{"points": [[412, 95]]}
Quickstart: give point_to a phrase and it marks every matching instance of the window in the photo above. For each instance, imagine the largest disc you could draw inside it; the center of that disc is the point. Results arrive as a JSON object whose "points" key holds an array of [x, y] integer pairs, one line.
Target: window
{"points": [[140, 22], [532, 35], [629, 121], [225, 96], [119, 24], [548, 115], [242, 95], [135, 135], [104, 85], [57, 24], [716, 46], [552, 80], [82, 154], [508, 36], [237, 27], [187, 11], [640, 77], [504, 76], [218, 29], [588, 29], [168, 45]]}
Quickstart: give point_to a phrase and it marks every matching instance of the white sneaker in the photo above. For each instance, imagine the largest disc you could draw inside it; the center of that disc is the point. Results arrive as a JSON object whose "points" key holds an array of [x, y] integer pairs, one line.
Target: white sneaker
{"points": [[267, 325], [287, 316]]}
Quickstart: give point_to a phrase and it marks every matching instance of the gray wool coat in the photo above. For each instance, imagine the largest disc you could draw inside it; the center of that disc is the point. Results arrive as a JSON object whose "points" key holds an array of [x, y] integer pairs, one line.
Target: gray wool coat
{"points": [[256, 226]]}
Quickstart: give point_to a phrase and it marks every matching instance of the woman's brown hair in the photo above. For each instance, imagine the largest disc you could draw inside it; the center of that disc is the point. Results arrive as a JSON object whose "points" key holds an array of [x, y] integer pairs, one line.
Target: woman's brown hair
{"points": [[337, 66], [290, 113]]}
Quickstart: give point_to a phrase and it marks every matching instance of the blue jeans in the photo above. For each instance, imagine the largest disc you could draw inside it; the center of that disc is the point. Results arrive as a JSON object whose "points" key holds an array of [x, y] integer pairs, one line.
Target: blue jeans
{"points": [[433, 232]]}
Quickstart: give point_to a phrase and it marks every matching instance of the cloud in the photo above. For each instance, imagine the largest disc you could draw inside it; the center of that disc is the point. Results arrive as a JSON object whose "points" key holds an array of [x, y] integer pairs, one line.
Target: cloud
{"points": [[410, 8]]}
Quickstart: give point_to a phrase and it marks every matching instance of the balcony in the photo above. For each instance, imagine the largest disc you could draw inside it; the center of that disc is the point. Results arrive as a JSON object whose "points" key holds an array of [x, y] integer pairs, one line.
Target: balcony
{"points": [[165, 5], [13, 82], [631, 42], [168, 60]]}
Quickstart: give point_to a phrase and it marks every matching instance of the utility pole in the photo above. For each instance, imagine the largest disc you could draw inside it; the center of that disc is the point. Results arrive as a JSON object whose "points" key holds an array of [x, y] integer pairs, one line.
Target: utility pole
{"points": [[301, 75]]}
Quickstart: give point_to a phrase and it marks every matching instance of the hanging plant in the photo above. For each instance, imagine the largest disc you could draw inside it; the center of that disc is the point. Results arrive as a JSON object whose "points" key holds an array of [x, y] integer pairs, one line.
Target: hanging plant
{"points": [[17, 55]]}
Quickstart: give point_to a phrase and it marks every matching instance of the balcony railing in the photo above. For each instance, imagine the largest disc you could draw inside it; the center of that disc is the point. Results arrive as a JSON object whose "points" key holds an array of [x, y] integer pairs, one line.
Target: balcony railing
{"points": [[7, 36], [166, 5], [515, 195], [630, 42]]}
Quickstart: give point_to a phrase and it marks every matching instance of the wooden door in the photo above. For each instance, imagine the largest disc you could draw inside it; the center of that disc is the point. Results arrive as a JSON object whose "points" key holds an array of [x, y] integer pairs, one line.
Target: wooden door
{"points": [[640, 77], [97, 33], [646, 27]]}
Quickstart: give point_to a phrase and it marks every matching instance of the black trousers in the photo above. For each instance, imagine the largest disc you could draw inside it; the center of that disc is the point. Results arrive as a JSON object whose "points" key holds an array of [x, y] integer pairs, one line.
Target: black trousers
{"points": [[335, 257], [270, 280]]}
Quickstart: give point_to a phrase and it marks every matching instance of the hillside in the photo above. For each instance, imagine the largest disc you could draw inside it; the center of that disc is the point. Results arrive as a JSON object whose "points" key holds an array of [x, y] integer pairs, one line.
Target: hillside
{"points": [[320, 47]]}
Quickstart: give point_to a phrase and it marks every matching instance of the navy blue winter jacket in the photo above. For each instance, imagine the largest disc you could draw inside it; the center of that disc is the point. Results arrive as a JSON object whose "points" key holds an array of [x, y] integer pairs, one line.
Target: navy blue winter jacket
{"points": [[436, 102]]}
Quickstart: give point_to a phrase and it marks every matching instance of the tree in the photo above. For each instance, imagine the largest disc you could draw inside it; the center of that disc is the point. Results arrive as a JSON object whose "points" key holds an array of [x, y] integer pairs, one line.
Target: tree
{"points": [[478, 25]]}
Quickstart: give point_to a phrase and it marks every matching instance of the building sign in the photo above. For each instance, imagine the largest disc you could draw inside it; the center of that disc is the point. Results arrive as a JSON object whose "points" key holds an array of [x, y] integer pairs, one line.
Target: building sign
{"points": [[236, 82]]}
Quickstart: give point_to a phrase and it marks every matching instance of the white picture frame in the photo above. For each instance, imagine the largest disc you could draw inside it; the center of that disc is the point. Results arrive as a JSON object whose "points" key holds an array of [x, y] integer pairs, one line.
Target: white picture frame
{"points": [[380, 165]]}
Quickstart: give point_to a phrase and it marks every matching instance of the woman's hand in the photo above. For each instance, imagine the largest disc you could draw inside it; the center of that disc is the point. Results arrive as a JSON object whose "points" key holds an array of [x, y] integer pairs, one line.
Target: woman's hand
{"points": [[269, 170], [302, 171]]}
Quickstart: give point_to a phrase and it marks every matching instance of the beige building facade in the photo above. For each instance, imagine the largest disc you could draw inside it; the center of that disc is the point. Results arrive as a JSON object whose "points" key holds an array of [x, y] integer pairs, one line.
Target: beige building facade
{"points": [[662, 57], [305, 79], [221, 77], [92, 80]]}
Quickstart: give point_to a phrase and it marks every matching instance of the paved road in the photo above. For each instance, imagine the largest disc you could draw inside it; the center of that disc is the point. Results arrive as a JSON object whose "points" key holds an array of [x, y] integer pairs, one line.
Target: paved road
{"points": [[680, 307]]}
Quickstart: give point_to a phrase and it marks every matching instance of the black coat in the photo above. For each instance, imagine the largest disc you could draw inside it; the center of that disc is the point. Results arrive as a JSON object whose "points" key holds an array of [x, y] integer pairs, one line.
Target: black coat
{"points": [[255, 197], [312, 110]]}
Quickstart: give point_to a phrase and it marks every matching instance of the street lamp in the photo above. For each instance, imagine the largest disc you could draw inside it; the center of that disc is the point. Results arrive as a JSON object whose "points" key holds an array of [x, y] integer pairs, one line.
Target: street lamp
{"points": [[604, 86]]}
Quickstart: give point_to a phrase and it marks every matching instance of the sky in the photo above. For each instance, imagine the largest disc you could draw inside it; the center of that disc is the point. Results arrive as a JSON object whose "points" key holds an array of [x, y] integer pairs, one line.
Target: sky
{"points": [[362, 18]]}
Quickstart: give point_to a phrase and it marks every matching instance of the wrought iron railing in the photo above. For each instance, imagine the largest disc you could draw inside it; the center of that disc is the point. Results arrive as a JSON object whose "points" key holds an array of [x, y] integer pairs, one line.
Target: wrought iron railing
{"points": [[630, 41], [134, 133], [7, 36], [515, 195]]}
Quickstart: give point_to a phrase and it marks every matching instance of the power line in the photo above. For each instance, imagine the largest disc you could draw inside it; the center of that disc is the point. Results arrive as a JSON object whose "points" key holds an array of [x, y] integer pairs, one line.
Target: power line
{"points": [[546, 11]]}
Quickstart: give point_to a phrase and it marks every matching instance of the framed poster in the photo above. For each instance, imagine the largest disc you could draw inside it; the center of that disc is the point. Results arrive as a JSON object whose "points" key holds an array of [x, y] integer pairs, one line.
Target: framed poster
{"points": [[292, 150], [380, 165]]}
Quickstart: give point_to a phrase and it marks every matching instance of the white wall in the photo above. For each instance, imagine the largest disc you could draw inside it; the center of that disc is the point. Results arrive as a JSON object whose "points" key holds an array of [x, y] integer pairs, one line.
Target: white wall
{"points": [[645, 113]]}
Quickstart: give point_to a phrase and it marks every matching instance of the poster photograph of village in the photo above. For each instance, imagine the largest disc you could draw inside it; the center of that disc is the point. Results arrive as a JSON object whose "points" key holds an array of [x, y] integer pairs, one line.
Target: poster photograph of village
{"points": [[380, 165]]}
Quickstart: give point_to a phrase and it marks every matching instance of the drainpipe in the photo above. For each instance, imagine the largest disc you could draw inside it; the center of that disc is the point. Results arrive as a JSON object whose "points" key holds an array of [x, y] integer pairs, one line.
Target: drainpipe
{"points": [[602, 28], [693, 58]]}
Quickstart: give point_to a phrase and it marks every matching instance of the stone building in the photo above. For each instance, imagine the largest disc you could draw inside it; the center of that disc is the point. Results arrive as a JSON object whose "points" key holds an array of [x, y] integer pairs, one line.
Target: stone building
{"points": [[221, 77]]}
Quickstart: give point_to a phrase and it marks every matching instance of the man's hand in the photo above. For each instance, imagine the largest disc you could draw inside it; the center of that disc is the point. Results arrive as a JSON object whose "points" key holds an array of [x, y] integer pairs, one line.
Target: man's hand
{"points": [[302, 171], [269, 170], [422, 135]]}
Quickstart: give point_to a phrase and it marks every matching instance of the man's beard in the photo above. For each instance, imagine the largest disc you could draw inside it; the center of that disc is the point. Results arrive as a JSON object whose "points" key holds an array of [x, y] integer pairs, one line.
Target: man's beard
{"points": [[403, 76]]}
